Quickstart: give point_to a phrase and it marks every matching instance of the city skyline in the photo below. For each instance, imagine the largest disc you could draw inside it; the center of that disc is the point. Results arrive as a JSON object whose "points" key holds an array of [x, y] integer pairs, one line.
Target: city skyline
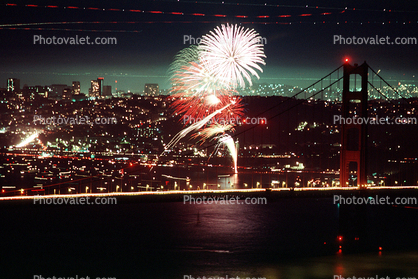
{"points": [[208, 139], [298, 39]]}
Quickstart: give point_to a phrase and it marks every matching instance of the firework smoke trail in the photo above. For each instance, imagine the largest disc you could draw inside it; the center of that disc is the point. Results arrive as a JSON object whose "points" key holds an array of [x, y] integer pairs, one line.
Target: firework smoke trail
{"points": [[194, 126], [225, 139], [214, 130], [230, 144], [194, 109]]}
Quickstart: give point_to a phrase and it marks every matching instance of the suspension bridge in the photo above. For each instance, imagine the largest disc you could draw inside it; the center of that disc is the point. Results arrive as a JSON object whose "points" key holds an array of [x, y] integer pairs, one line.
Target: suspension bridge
{"points": [[300, 146]]}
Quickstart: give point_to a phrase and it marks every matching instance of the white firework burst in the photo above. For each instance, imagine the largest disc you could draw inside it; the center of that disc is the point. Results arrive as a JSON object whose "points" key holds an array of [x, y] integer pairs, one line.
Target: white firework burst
{"points": [[232, 54]]}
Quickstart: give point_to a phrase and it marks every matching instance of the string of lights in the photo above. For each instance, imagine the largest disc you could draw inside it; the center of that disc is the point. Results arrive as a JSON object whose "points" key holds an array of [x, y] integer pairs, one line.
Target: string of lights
{"points": [[17, 25], [287, 6], [177, 13], [339, 9]]}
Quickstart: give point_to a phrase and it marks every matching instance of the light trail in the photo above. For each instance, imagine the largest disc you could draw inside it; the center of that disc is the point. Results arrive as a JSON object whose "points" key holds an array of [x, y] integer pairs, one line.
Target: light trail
{"points": [[183, 192], [28, 140], [194, 126]]}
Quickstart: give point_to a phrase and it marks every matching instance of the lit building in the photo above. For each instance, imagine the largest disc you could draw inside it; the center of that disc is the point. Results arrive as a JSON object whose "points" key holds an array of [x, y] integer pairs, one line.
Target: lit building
{"points": [[151, 89], [13, 85], [76, 88], [67, 93], [96, 87], [39, 90], [120, 94]]}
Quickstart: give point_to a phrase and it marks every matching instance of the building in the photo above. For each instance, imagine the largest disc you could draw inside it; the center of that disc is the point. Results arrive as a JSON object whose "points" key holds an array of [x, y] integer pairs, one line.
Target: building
{"points": [[94, 90], [13, 85], [107, 91], [151, 89], [67, 93], [96, 87], [37, 90], [120, 94], [57, 90], [76, 88]]}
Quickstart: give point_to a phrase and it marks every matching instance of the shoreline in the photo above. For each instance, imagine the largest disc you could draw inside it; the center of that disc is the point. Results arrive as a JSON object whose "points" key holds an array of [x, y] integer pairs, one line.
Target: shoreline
{"points": [[270, 194]]}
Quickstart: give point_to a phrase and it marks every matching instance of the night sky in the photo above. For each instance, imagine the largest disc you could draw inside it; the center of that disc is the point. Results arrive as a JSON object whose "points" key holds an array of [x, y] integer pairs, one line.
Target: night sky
{"points": [[299, 38]]}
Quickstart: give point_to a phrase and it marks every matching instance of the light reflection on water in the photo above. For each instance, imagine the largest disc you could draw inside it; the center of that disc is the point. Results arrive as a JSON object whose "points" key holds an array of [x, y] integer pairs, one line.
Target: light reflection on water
{"points": [[392, 264], [281, 239], [278, 240]]}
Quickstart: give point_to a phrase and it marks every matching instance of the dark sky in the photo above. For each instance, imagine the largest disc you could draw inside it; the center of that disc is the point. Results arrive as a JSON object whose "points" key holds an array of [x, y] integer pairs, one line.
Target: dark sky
{"points": [[299, 38]]}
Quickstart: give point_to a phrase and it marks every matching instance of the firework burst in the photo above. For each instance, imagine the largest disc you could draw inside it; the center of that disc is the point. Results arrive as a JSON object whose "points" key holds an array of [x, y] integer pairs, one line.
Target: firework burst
{"points": [[232, 54], [204, 82], [194, 108]]}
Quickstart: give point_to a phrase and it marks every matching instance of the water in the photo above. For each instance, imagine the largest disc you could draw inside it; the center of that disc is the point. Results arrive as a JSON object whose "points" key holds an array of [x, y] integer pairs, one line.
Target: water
{"points": [[225, 178], [283, 239]]}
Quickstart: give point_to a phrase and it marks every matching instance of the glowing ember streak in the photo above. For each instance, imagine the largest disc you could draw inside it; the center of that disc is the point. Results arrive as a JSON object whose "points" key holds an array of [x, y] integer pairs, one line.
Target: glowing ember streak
{"points": [[230, 144], [28, 140], [192, 127]]}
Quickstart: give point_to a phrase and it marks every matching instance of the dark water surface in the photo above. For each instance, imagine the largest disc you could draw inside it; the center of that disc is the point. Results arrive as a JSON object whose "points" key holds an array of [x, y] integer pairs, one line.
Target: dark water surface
{"points": [[287, 238]]}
